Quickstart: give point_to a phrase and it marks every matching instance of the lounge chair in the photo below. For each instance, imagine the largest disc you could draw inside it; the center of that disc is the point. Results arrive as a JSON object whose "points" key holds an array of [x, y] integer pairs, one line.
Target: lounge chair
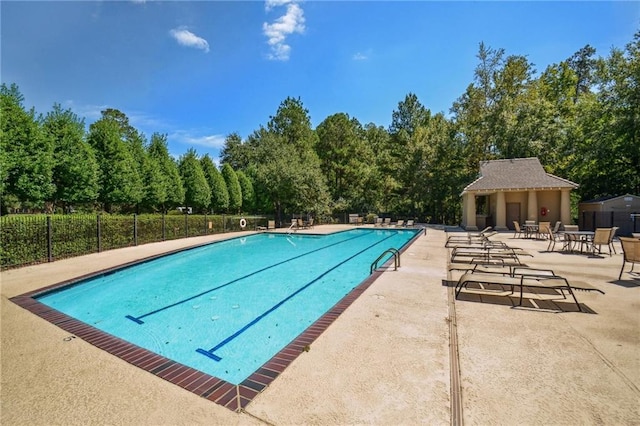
{"points": [[484, 231], [500, 255], [386, 222], [398, 224], [409, 224], [526, 277], [378, 222], [630, 252]]}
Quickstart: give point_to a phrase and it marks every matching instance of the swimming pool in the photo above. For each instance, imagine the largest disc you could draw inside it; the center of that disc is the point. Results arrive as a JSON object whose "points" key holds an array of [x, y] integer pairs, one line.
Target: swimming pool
{"points": [[227, 308]]}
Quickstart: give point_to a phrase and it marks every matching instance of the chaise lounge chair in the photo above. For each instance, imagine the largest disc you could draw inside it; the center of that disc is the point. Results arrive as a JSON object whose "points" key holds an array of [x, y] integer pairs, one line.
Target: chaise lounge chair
{"points": [[526, 277]]}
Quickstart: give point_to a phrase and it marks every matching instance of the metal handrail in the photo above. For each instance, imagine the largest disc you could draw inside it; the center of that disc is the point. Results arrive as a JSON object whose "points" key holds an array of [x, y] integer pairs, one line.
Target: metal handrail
{"points": [[396, 259]]}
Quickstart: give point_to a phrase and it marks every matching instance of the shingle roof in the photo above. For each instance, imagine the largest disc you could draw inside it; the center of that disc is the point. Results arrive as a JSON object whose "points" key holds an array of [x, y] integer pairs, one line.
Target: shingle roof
{"points": [[516, 174]]}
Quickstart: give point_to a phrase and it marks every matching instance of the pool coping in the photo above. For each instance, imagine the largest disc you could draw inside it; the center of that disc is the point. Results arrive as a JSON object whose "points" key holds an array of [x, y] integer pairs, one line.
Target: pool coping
{"points": [[231, 396]]}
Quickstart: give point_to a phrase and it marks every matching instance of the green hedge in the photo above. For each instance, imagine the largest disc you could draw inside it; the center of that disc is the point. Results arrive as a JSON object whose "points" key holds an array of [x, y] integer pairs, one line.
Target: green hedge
{"points": [[29, 239]]}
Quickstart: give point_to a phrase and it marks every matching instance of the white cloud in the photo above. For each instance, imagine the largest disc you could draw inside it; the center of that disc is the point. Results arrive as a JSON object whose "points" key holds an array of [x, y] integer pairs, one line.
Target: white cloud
{"points": [[189, 39], [188, 138], [291, 22], [90, 113], [360, 57], [270, 4]]}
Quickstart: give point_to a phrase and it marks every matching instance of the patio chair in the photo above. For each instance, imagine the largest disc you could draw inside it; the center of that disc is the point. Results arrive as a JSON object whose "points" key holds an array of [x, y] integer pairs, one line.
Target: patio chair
{"points": [[554, 238], [518, 231], [630, 252], [398, 224], [271, 224], [613, 234], [600, 238], [386, 222], [542, 229], [556, 228], [409, 224], [378, 222]]}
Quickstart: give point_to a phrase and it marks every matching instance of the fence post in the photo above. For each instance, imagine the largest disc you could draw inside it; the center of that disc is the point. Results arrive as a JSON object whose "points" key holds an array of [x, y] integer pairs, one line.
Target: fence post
{"points": [[49, 240], [224, 224], [164, 228], [186, 225], [135, 229], [99, 232]]}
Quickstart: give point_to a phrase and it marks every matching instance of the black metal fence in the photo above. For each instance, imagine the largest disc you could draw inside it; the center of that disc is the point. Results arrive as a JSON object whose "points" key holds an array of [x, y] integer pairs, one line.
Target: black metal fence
{"points": [[626, 222], [31, 239]]}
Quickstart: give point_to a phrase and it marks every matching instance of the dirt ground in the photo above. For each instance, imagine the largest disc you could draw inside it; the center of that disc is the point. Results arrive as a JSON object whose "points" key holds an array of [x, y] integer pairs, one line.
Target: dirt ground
{"points": [[404, 353]]}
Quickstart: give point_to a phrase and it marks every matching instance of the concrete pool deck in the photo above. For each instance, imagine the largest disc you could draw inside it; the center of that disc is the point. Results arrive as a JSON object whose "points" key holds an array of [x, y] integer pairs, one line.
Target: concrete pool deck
{"points": [[385, 360]]}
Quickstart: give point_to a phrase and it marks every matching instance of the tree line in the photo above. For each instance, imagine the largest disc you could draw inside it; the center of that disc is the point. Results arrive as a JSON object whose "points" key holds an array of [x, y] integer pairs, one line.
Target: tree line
{"points": [[580, 117]]}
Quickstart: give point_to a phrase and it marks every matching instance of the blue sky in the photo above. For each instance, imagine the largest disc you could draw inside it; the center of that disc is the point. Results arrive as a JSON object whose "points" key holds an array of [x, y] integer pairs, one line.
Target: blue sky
{"points": [[200, 70]]}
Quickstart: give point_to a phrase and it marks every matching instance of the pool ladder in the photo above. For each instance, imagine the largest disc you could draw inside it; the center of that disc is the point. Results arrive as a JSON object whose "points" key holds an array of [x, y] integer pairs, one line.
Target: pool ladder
{"points": [[396, 259]]}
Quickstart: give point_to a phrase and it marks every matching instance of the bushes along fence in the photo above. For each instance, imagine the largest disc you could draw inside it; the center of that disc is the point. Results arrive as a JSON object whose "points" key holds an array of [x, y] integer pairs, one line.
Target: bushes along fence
{"points": [[31, 239]]}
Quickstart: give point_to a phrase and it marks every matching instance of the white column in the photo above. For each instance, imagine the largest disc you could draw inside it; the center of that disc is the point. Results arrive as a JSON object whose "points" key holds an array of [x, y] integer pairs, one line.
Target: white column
{"points": [[471, 212], [501, 212], [565, 207], [532, 208]]}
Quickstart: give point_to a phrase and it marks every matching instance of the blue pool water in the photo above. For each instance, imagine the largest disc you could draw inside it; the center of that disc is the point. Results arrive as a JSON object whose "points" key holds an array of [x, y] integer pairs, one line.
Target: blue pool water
{"points": [[228, 307]]}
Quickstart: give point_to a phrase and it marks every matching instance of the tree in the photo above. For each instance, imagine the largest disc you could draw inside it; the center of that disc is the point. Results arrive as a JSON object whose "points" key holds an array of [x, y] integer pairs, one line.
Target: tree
{"points": [[120, 182], [283, 179], [381, 183], [410, 115], [293, 124], [219, 191], [583, 65], [154, 193], [27, 156], [197, 191], [302, 179], [474, 111], [75, 170], [346, 160], [248, 194], [235, 153], [171, 180], [233, 186]]}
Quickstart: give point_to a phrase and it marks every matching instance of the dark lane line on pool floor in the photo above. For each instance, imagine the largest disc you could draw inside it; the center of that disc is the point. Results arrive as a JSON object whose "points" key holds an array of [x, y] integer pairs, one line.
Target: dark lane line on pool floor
{"points": [[138, 319], [209, 353]]}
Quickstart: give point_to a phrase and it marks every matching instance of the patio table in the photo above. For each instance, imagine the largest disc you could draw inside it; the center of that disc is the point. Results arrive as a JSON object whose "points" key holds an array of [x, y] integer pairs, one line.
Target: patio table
{"points": [[575, 237], [530, 229]]}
